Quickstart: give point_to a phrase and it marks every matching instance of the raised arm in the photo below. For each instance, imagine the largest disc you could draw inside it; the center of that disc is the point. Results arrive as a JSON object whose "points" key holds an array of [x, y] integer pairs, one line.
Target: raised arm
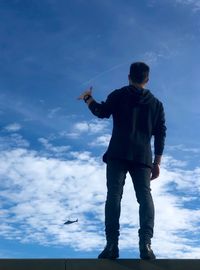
{"points": [[101, 110]]}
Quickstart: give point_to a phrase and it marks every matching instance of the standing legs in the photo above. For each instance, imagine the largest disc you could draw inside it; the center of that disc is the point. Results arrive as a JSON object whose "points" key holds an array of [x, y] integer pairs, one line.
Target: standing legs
{"points": [[116, 174], [141, 181]]}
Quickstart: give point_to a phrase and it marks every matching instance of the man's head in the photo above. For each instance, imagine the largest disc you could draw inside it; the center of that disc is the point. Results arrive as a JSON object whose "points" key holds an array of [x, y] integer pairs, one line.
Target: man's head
{"points": [[139, 73]]}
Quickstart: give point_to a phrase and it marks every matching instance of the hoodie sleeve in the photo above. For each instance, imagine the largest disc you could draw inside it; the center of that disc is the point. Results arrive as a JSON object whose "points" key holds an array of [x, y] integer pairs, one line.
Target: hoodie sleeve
{"points": [[159, 132], [104, 109]]}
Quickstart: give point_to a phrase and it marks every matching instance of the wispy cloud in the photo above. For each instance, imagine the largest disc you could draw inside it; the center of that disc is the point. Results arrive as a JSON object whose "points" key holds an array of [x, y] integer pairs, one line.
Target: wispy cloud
{"points": [[14, 127], [52, 113], [14, 140], [55, 150], [102, 140], [182, 148], [194, 4], [91, 127]]}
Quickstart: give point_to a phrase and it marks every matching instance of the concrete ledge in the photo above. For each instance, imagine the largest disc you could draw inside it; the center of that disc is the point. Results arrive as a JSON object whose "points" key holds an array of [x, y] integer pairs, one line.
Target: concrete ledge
{"points": [[132, 264], [94, 264], [32, 264]]}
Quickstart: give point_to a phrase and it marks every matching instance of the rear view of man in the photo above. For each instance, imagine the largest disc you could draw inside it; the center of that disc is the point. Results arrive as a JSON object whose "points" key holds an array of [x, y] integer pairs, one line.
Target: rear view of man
{"points": [[137, 116]]}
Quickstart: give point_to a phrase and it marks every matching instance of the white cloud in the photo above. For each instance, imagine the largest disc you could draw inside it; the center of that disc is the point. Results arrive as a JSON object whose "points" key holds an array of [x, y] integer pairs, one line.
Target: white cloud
{"points": [[181, 147], [57, 150], [72, 135], [13, 127], [81, 127], [14, 140], [94, 126], [102, 140], [43, 193], [81, 155], [91, 127], [39, 193], [98, 126], [171, 162]]}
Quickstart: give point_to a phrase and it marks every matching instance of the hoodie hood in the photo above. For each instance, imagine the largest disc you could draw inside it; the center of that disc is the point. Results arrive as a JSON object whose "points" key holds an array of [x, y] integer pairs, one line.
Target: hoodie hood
{"points": [[140, 96]]}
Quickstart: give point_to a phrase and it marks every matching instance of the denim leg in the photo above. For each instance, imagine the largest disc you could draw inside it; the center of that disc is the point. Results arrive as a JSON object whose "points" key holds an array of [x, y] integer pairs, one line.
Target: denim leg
{"points": [[116, 174], [141, 181]]}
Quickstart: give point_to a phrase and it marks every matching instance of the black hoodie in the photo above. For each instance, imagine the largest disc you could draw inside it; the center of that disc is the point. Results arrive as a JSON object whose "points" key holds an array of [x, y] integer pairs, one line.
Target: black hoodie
{"points": [[137, 115]]}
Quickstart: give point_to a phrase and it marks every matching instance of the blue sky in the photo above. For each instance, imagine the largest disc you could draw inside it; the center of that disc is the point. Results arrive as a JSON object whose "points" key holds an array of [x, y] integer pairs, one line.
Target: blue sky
{"points": [[51, 145]]}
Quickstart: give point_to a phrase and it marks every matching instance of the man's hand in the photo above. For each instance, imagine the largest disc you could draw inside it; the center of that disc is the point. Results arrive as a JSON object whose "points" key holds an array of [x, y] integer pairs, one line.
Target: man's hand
{"points": [[87, 92], [155, 172]]}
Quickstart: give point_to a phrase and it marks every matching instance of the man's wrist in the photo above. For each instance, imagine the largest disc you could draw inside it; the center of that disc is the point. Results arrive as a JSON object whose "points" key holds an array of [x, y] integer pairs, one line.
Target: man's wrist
{"points": [[156, 163], [157, 160], [86, 98]]}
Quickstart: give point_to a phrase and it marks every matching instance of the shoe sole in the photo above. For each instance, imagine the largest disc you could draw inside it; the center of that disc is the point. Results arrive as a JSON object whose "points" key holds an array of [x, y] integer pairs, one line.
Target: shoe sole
{"points": [[108, 258], [147, 258]]}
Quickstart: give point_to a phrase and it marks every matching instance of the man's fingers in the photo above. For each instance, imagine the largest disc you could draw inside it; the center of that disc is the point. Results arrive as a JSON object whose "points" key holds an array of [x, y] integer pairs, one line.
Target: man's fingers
{"points": [[154, 177], [80, 97], [155, 172], [87, 92]]}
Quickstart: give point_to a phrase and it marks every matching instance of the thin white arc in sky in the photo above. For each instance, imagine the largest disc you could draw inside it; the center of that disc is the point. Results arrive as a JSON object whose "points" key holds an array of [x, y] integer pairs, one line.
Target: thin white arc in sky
{"points": [[104, 72], [147, 57]]}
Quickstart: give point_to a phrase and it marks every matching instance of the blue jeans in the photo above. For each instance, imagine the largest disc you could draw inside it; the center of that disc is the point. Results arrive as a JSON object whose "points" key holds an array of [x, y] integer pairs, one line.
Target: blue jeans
{"points": [[116, 175]]}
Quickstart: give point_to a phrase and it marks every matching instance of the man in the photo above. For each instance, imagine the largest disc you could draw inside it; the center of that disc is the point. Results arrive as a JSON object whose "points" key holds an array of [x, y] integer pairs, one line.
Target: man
{"points": [[137, 115]]}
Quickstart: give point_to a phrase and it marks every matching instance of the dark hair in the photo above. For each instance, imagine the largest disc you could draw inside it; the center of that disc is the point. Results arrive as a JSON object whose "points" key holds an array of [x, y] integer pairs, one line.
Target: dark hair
{"points": [[139, 72]]}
